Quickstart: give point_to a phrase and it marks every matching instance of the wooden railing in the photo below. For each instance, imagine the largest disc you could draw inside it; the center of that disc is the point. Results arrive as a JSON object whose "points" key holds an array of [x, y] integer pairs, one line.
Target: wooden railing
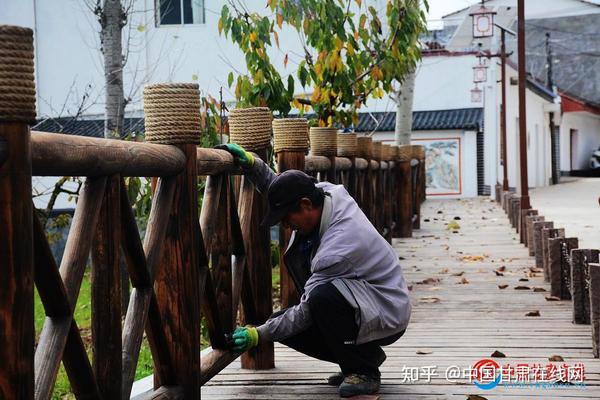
{"points": [[189, 263]]}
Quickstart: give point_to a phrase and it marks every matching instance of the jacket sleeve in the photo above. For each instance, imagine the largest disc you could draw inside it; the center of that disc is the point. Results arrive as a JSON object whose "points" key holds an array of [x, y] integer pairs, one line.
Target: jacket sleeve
{"points": [[260, 175], [291, 322]]}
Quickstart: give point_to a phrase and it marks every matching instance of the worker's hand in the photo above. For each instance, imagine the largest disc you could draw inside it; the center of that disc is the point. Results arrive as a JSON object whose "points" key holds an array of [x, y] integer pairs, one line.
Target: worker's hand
{"points": [[241, 156], [244, 338]]}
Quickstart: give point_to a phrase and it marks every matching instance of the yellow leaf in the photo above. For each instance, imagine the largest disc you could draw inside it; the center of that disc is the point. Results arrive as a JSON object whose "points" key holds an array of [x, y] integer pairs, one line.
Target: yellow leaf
{"points": [[350, 49], [306, 24], [279, 20], [318, 68], [359, 2], [338, 43], [220, 26], [306, 108], [316, 96], [297, 104], [238, 90], [253, 37], [194, 77], [141, 28], [329, 121], [285, 61], [276, 36], [355, 35]]}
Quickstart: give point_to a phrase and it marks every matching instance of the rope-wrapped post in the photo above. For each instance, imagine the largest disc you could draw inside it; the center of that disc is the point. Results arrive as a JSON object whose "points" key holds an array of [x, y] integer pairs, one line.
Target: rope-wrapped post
{"points": [[559, 251], [347, 147], [404, 181], [323, 142], [365, 150], [172, 117], [549, 233], [290, 139], [529, 221], [537, 242], [594, 270], [17, 111], [251, 128], [394, 187], [580, 281]]}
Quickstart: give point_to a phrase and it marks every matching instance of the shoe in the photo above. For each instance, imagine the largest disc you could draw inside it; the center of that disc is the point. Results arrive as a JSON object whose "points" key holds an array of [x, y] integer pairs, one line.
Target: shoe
{"points": [[335, 379], [356, 384]]}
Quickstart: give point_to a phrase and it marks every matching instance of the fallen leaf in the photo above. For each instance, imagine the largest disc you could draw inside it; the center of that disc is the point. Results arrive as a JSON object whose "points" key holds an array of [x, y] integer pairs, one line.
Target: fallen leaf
{"points": [[444, 271], [426, 220], [502, 286], [472, 258], [401, 258], [458, 273], [534, 313], [428, 299], [457, 218], [453, 225], [498, 354], [498, 273], [428, 281], [410, 287], [552, 298], [535, 269], [440, 212], [555, 357], [476, 397], [463, 281], [424, 351], [539, 289], [523, 280], [522, 288]]}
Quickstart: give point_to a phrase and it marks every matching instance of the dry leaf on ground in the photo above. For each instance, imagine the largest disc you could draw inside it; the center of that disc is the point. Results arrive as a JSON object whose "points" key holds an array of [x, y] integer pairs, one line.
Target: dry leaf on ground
{"points": [[539, 289], [552, 298], [522, 288], [461, 273], [424, 351], [502, 286], [534, 313], [555, 357], [428, 299], [498, 354]]}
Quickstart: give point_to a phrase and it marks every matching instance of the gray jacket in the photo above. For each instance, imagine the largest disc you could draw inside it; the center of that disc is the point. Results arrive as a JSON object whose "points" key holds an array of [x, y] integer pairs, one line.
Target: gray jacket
{"points": [[353, 256]]}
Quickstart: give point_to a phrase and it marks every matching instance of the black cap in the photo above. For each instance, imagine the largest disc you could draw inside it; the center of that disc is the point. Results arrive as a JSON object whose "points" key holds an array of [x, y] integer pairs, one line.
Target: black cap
{"points": [[284, 192]]}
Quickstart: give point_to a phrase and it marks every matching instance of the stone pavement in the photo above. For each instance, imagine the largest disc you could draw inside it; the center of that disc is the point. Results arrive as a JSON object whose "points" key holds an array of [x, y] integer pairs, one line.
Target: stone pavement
{"points": [[572, 204]]}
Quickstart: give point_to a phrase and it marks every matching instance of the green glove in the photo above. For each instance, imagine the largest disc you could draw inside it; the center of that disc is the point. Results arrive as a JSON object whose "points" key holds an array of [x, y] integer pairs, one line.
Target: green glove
{"points": [[244, 338], [242, 157]]}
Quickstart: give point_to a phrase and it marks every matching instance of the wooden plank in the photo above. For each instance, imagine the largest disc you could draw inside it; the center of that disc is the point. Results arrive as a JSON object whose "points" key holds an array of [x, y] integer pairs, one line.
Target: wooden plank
{"points": [[469, 323]]}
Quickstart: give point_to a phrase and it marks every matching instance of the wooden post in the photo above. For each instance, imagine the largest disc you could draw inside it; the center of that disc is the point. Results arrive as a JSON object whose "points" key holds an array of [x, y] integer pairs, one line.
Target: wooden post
{"points": [[537, 242], [529, 220], [549, 233], [177, 280], [289, 295], [16, 264], [258, 256], [523, 214], [106, 293], [419, 155], [560, 269], [595, 307], [403, 180], [17, 109], [580, 259]]}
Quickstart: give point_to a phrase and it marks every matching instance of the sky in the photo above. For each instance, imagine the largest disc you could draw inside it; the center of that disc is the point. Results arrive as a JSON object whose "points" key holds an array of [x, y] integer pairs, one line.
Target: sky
{"points": [[439, 8]]}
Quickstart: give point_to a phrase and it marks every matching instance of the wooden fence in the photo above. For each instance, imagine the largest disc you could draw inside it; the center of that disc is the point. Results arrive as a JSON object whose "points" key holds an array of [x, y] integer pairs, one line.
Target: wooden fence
{"points": [[573, 273]]}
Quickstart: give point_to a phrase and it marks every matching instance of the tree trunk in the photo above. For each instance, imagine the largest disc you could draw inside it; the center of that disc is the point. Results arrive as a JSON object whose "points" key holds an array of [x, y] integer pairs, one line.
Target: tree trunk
{"points": [[404, 105], [112, 20]]}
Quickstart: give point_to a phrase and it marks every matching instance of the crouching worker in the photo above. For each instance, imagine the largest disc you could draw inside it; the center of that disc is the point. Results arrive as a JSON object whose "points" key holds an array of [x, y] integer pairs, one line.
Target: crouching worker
{"points": [[354, 296]]}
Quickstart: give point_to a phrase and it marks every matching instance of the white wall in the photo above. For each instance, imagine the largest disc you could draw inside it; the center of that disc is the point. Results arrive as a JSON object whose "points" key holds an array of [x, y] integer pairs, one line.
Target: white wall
{"points": [[539, 162], [468, 155], [588, 139]]}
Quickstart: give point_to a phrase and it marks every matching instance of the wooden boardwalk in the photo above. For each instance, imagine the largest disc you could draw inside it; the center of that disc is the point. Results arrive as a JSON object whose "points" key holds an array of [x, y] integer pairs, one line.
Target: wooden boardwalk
{"points": [[460, 316]]}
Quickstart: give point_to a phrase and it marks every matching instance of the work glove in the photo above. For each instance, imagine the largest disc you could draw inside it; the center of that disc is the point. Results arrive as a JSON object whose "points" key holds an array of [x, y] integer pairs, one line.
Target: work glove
{"points": [[240, 156], [244, 338]]}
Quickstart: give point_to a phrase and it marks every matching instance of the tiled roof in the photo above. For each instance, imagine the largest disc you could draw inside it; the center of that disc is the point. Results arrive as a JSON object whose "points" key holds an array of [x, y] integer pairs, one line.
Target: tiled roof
{"points": [[465, 118], [86, 127]]}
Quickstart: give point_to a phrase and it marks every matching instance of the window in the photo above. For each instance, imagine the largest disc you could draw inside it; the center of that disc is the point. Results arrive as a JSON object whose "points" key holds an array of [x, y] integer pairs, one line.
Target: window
{"points": [[179, 12]]}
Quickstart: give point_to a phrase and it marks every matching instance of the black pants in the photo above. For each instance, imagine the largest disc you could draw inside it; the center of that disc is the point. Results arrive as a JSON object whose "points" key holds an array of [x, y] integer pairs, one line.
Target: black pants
{"points": [[333, 326]]}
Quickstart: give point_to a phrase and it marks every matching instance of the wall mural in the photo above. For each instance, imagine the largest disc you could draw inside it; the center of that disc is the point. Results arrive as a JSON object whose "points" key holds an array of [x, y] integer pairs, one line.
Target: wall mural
{"points": [[443, 165]]}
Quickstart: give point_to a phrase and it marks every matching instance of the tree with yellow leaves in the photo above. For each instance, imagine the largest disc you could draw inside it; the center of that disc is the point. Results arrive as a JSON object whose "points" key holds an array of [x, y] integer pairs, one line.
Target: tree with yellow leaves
{"points": [[352, 51]]}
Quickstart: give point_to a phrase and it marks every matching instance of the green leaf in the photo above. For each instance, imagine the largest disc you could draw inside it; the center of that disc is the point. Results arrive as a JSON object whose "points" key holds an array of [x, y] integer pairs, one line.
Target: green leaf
{"points": [[290, 88], [230, 79]]}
